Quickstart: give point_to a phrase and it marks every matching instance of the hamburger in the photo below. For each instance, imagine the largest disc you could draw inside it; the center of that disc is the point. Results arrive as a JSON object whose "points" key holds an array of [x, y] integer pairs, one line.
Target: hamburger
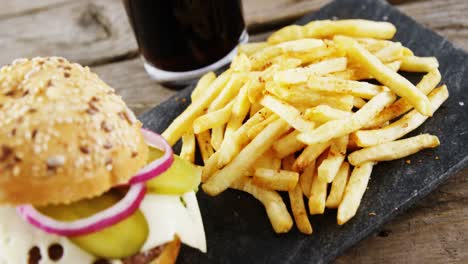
{"points": [[80, 180]]}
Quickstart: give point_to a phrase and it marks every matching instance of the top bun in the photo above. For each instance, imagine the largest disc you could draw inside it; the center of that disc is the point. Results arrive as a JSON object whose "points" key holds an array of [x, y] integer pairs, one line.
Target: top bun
{"points": [[64, 134]]}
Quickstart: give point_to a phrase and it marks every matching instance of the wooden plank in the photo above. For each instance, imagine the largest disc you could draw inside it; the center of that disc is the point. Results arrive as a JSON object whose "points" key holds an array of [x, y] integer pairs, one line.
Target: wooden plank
{"points": [[435, 230], [448, 18], [22, 7], [89, 32]]}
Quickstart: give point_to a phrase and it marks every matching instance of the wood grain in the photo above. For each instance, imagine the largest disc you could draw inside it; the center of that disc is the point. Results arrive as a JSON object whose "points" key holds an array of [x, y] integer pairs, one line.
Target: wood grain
{"points": [[97, 32], [89, 32], [435, 230]]}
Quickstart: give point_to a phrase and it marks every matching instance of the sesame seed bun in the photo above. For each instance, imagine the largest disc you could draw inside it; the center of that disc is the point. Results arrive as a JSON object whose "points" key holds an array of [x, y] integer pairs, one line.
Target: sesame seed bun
{"points": [[64, 134]]}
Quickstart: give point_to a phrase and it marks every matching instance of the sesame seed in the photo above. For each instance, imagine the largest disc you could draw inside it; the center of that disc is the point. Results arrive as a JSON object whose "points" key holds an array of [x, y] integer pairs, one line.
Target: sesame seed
{"points": [[34, 134], [6, 152], [106, 126], [107, 145], [55, 162], [84, 149]]}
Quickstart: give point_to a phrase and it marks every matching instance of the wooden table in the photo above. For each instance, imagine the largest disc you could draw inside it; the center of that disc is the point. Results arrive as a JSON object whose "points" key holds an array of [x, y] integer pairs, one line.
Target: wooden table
{"points": [[97, 33]]}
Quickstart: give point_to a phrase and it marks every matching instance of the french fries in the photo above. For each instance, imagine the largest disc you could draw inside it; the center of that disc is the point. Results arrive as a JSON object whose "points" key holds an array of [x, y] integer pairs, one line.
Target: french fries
{"points": [[397, 83], [279, 180], [202, 85], [406, 124], [338, 186], [221, 180], [331, 164], [288, 113], [393, 150], [185, 120], [341, 127], [354, 191], [212, 119], [418, 64], [276, 209], [299, 210], [309, 112]]}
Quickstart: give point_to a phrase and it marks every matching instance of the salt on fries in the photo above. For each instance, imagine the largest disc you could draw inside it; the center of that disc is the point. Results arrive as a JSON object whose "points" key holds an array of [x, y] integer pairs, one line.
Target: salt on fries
{"points": [[298, 114]]}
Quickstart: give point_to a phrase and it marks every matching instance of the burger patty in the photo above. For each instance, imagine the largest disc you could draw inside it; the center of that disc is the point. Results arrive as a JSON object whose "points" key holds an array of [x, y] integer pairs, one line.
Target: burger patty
{"points": [[144, 257]]}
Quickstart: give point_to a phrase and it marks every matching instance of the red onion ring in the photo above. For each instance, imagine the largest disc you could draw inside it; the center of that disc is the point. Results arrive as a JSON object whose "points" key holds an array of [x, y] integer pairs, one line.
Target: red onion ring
{"points": [[108, 217], [158, 166]]}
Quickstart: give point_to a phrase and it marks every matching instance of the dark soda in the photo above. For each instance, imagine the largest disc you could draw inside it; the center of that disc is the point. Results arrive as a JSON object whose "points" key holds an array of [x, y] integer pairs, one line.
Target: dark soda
{"points": [[184, 35]]}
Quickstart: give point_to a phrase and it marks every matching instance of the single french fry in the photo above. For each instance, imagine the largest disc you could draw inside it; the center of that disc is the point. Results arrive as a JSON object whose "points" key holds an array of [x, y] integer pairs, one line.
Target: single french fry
{"points": [[397, 83], [338, 186], [325, 113], [354, 192], [240, 109], [287, 113], [401, 106], [393, 150], [406, 124], [228, 92], [299, 211], [341, 127], [184, 121], [221, 180], [279, 180], [241, 63], [217, 136], [358, 102], [202, 85], [350, 27], [213, 119], [373, 45], [275, 207], [335, 85], [305, 179], [291, 32], [288, 145], [418, 64], [204, 143], [318, 191], [256, 129], [301, 75], [251, 47], [301, 45], [336, 155], [187, 152], [309, 154]]}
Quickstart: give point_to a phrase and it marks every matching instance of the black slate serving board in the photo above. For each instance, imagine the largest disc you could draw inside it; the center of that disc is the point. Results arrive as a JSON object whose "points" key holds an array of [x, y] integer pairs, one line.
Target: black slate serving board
{"points": [[237, 228]]}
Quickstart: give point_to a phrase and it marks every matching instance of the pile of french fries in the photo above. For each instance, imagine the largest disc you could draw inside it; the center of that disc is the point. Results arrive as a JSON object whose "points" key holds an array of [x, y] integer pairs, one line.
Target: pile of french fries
{"points": [[298, 114]]}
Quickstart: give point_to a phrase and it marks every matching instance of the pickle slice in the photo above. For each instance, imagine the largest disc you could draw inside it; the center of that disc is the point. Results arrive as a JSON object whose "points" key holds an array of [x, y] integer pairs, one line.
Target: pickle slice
{"points": [[118, 241], [181, 177]]}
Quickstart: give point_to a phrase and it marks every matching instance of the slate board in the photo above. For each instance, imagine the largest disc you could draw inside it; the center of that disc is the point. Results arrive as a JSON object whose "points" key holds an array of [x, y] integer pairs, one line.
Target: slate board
{"points": [[237, 228]]}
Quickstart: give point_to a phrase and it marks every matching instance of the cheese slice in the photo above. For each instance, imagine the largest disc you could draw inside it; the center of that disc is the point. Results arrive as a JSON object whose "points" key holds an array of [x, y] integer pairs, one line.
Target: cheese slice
{"points": [[166, 216]]}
